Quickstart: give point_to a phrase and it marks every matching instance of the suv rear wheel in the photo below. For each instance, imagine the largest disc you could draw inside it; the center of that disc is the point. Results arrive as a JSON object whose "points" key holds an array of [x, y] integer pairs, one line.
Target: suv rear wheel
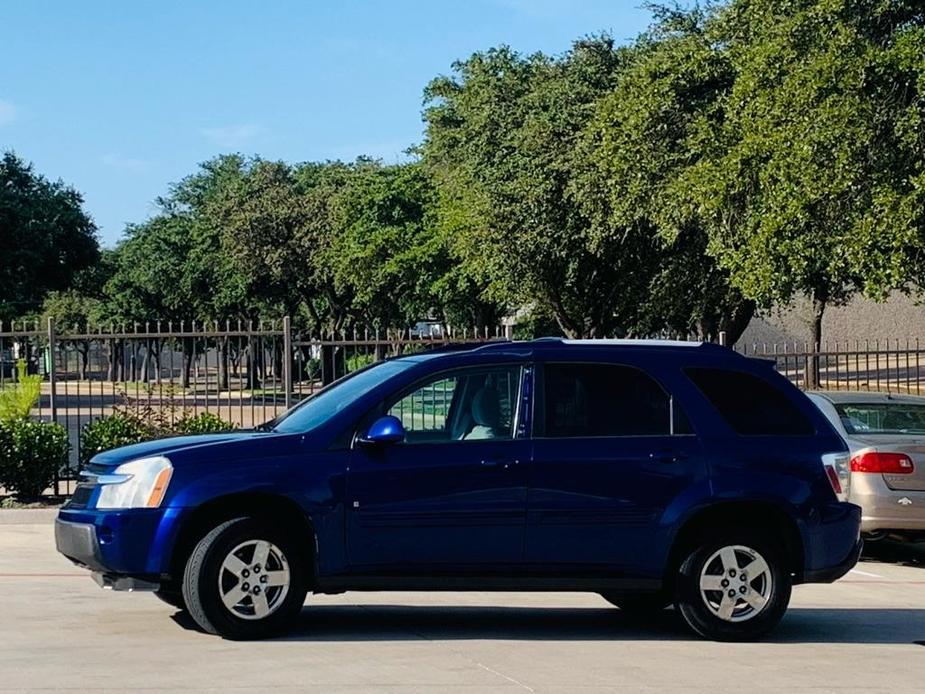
{"points": [[733, 587], [245, 580]]}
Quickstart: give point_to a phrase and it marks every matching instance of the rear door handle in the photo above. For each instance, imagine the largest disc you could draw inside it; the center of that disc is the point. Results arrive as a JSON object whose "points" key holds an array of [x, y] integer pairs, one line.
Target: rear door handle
{"points": [[666, 457], [503, 463]]}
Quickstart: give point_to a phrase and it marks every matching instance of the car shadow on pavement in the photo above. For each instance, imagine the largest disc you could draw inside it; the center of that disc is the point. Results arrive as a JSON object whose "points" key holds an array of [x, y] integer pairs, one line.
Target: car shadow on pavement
{"points": [[377, 622], [899, 553]]}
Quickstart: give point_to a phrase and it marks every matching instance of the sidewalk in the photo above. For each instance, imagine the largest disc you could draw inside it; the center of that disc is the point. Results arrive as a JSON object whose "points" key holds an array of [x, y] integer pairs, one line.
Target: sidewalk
{"points": [[27, 516]]}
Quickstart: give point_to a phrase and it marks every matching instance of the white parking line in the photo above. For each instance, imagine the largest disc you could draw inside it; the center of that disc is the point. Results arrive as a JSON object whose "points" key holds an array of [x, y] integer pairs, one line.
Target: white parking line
{"points": [[865, 573]]}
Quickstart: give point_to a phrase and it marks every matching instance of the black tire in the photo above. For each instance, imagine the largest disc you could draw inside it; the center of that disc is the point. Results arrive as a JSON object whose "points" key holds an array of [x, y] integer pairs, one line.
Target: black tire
{"points": [[172, 595], [202, 575], [705, 620], [638, 603]]}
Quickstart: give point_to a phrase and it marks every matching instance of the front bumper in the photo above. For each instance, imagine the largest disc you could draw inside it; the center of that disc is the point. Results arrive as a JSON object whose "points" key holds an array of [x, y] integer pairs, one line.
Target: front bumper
{"points": [[131, 542], [78, 542]]}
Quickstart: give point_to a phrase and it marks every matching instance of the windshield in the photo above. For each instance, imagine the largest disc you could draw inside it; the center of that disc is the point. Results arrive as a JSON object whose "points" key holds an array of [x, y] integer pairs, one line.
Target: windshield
{"points": [[882, 418], [318, 408]]}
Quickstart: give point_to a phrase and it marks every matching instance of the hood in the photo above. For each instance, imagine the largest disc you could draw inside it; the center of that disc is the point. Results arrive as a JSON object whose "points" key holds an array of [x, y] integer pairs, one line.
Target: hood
{"points": [[117, 456]]}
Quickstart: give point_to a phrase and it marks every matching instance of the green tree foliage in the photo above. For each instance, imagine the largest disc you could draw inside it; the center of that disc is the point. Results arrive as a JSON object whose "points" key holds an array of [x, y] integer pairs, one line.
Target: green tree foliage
{"points": [[645, 136], [502, 141], [45, 237], [812, 181]]}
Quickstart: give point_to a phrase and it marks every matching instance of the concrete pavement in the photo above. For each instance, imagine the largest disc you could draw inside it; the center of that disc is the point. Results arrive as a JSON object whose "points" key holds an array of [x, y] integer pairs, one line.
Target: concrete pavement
{"points": [[58, 631]]}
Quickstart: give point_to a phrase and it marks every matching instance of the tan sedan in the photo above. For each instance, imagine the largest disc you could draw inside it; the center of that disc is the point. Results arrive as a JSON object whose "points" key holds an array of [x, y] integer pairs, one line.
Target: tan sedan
{"points": [[886, 435]]}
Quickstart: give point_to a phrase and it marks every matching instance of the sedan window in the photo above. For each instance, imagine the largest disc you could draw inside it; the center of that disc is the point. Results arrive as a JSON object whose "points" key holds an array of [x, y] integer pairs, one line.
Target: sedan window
{"points": [[882, 418]]}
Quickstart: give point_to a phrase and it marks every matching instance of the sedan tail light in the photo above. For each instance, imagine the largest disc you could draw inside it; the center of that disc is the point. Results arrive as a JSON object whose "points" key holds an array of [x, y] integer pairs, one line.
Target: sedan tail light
{"points": [[836, 469], [883, 463]]}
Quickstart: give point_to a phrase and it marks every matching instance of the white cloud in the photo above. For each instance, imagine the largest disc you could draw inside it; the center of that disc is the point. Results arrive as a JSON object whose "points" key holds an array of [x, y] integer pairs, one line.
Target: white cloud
{"points": [[7, 112], [117, 161], [232, 135]]}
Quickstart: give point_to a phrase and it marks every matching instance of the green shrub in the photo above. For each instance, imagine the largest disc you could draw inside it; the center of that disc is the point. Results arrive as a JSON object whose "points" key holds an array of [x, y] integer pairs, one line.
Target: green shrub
{"points": [[202, 423], [30, 455], [17, 401], [112, 431], [356, 362]]}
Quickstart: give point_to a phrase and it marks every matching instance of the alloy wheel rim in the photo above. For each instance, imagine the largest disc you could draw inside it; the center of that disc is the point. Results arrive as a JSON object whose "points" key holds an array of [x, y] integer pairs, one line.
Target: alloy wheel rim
{"points": [[736, 583], [254, 579]]}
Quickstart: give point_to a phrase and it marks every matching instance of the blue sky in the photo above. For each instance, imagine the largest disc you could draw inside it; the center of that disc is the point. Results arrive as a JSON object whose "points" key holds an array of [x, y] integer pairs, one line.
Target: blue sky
{"points": [[121, 98]]}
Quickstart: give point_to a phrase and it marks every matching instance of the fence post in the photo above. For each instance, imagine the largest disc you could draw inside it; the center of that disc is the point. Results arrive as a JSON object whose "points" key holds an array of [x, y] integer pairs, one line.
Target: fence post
{"points": [[287, 360], [52, 404], [722, 338], [52, 344]]}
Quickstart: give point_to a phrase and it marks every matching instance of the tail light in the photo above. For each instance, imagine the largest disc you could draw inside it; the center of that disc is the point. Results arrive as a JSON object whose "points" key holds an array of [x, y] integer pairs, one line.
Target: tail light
{"points": [[838, 473], [883, 463]]}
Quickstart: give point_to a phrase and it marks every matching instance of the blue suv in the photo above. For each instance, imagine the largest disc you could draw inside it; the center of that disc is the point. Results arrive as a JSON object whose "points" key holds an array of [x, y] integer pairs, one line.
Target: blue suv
{"points": [[654, 473]]}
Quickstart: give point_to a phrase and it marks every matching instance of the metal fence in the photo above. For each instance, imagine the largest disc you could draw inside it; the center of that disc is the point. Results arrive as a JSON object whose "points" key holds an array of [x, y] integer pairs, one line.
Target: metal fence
{"points": [[249, 372], [889, 365], [244, 372]]}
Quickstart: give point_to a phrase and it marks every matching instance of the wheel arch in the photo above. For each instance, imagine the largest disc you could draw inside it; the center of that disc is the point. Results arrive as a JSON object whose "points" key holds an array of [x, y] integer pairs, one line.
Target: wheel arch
{"points": [[756, 514], [276, 507]]}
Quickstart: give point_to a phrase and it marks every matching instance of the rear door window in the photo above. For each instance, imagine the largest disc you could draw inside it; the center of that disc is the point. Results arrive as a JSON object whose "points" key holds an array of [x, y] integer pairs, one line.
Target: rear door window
{"points": [[584, 400], [749, 404]]}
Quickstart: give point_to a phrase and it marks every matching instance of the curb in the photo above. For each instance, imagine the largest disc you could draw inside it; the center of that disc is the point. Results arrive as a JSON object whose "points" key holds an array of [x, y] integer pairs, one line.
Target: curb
{"points": [[27, 516]]}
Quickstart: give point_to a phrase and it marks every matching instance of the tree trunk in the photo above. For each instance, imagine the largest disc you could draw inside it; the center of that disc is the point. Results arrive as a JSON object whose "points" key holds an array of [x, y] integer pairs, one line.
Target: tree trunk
{"points": [[145, 369], [223, 363], [156, 358], [813, 370], [83, 350], [187, 361], [332, 363]]}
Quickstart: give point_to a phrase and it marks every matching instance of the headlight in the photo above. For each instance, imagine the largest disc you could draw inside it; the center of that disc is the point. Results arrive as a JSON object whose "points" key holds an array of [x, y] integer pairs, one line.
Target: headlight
{"points": [[141, 483]]}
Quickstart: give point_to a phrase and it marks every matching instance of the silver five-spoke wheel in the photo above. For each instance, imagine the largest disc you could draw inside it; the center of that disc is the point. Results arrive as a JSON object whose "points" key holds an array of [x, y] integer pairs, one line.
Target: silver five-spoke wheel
{"points": [[736, 583], [254, 579]]}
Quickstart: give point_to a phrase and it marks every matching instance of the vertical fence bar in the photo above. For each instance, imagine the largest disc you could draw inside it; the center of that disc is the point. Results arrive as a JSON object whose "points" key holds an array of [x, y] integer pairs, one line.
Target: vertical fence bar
{"points": [[52, 391], [287, 362]]}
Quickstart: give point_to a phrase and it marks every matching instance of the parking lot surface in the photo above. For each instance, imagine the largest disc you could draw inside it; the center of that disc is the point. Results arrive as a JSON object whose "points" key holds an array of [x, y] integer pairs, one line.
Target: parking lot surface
{"points": [[59, 631]]}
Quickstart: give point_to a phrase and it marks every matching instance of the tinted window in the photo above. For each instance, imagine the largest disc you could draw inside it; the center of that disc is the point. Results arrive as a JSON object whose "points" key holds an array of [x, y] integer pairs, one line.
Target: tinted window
{"points": [[603, 400], [461, 406], [751, 405]]}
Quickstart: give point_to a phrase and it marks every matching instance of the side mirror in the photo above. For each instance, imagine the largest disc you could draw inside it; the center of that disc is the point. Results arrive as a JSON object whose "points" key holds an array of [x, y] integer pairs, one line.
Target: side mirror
{"points": [[384, 431]]}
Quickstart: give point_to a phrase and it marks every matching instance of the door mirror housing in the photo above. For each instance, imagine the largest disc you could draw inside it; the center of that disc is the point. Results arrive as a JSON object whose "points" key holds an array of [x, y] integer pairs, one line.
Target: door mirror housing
{"points": [[384, 431]]}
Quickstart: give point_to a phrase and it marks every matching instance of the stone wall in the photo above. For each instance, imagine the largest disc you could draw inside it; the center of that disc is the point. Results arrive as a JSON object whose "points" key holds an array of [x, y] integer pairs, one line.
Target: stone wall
{"points": [[900, 317]]}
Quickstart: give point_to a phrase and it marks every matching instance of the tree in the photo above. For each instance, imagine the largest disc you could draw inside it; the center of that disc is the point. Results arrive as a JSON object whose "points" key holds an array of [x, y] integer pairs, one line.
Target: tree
{"points": [[45, 237], [391, 254], [812, 180], [502, 142], [645, 135]]}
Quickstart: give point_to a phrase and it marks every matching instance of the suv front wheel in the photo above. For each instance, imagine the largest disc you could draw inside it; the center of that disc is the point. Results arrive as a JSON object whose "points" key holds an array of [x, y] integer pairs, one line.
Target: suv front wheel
{"points": [[733, 587], [244, 580]]}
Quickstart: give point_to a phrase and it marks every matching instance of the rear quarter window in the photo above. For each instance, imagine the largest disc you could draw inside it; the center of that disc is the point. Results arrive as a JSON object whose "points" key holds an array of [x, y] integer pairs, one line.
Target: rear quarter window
{"points": [[751, 405]]}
